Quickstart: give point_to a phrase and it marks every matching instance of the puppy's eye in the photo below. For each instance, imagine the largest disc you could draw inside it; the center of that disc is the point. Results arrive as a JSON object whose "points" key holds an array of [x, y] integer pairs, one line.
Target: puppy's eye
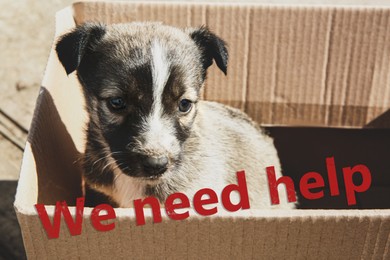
{"points": [[117, 103], [185, 105]]}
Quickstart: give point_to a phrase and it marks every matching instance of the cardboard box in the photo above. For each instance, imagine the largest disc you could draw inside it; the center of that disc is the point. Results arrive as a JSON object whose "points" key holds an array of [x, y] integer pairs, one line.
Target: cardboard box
{"points": [[325, 69]]}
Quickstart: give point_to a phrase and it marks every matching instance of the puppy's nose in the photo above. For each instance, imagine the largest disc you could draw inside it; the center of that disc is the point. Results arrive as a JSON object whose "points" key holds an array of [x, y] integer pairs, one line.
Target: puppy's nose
{"points": [[155, 165]]}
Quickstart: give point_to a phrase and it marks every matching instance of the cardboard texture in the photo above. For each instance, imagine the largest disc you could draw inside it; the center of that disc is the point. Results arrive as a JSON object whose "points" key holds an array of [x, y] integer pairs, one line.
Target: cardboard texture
{"points": [[324, 66]]}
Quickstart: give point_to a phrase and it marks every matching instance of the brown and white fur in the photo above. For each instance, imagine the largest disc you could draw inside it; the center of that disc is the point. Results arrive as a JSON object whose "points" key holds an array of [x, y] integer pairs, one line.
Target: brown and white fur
{"points": [[149, 134]]}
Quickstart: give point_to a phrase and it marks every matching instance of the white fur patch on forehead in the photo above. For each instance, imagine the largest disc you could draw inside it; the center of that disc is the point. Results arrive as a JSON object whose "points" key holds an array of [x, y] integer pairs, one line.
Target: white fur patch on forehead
{"points": [[160, 70], [158, 132]]}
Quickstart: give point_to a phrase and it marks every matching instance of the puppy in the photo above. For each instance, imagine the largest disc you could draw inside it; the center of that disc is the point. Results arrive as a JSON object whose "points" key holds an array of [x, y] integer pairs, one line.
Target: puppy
{"points": [[149, 134]]}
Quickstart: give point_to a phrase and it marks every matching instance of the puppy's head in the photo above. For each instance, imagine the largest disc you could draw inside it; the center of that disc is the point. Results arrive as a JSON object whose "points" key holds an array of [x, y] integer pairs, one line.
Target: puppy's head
{"points": [[141, 82]]}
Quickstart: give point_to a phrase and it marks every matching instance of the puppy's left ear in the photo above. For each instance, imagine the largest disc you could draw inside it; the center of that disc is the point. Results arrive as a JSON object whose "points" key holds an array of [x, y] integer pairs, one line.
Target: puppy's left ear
{"points": [[211, 46]]}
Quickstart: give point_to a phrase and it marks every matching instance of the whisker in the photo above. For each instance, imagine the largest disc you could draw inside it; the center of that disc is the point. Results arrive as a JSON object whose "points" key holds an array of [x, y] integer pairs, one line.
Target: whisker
{"points": [[108, 164], [106, 157], [116, 177]]}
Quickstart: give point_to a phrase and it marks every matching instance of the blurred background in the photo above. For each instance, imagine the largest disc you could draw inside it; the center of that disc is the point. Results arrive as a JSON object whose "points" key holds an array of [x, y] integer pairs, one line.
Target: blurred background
{"points": [[26, 35]]}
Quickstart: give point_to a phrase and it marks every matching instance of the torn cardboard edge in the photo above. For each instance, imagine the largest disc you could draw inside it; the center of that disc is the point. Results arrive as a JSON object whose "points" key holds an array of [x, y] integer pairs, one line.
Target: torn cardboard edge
{"points": [[288, 3]]}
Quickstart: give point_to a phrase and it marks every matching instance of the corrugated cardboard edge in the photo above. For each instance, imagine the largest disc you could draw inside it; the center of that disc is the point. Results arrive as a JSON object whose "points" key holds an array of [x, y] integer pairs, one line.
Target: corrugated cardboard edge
{"points": [[325, 234]]}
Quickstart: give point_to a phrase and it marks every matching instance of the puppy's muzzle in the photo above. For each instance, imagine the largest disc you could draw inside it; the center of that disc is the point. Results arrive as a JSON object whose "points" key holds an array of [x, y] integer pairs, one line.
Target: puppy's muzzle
{"points": [[155, 166]]}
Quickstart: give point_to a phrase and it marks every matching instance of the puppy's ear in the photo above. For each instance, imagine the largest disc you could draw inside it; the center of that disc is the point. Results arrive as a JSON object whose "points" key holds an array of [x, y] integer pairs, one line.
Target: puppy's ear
{"points": [[72, 46], [211, 46]]}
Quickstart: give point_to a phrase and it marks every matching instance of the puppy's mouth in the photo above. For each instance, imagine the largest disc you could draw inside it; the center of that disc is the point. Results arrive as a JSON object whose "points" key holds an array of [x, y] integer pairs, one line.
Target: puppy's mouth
{"points": [[141, 174], [153, 179]]}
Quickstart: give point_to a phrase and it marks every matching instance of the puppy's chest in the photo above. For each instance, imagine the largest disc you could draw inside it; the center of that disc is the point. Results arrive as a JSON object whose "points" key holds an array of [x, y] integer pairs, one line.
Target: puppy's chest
{"points": [[125, 190]]}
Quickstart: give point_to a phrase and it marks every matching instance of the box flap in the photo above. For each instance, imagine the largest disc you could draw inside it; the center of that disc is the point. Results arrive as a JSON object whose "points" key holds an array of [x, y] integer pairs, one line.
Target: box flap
{"points": [[289, 65]]}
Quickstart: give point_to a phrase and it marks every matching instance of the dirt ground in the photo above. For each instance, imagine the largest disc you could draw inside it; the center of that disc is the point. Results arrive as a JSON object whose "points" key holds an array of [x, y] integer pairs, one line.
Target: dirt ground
{"points": [[27, 29]]}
